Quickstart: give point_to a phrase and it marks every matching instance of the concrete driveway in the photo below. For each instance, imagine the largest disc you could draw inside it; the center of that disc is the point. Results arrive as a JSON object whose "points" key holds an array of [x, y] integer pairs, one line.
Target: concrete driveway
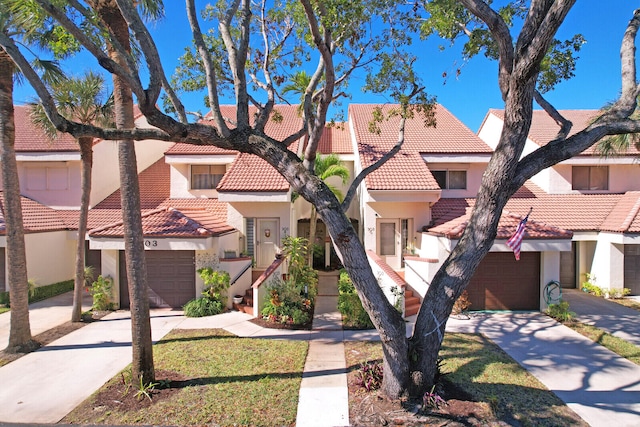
{"points": [[600, 386]]}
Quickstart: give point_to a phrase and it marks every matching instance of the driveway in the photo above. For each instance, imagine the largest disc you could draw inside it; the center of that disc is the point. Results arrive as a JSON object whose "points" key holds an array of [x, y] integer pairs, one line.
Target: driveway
{"points": [[600, 386], [620, 321]]}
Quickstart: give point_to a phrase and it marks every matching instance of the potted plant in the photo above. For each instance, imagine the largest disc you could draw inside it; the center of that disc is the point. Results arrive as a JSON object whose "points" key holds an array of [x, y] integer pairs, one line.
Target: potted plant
{"points": [[237, 299]]}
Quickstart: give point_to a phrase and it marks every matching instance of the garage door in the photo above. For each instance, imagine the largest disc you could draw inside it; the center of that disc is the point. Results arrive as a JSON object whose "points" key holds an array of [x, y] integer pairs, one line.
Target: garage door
{"points": [[632, 268], [171, 278], [502, 283]]}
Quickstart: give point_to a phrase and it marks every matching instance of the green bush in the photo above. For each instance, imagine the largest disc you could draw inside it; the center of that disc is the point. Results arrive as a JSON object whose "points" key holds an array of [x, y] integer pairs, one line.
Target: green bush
{"points": [[203, 307], [350, 306], [618, 293], [285, 302], [100, 290], [4, 298], [41, 292], [560, 312]]}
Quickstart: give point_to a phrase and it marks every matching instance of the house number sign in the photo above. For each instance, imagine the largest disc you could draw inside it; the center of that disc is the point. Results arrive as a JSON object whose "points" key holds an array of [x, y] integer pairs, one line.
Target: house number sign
{"points": [[151, 243]]}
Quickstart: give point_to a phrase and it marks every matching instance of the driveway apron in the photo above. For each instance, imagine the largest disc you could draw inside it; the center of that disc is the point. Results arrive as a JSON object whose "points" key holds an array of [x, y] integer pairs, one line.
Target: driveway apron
{"points": [[600, 386]]}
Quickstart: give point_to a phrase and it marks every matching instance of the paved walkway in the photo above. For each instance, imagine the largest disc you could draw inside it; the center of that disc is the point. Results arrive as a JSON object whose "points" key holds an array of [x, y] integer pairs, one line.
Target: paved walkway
{"points": [[620, 321], [44, 315]]}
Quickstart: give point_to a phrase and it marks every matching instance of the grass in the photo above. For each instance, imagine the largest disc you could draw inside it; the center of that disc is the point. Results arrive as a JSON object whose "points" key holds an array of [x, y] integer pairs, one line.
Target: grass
{"points": [[4, 309], [231, 381], [480, 368], [617, 345]]}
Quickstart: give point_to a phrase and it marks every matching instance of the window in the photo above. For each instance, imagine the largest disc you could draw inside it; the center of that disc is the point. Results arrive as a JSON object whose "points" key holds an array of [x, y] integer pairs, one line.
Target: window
{"points": [[47, 178], [206, 177], [590, 178], [451, 179]]}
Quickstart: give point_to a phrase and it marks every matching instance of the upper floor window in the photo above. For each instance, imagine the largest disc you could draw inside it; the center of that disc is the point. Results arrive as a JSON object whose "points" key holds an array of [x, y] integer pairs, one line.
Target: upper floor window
{"points": [[47, 178], [590, 178], [206, 177], [451, 179]]}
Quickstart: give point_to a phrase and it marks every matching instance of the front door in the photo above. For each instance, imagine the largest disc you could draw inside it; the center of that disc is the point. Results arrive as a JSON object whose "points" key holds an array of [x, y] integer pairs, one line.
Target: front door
{"points": [[390, 242], [267, 241]]}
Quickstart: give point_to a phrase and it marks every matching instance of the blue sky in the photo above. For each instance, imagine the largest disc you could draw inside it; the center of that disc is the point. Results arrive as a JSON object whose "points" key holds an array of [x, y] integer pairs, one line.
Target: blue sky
{"points": [[470, 95]]}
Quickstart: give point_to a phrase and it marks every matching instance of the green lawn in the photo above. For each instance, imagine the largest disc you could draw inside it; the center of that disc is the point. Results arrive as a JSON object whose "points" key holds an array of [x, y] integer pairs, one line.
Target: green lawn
{"points": [[227, 381], [4, 309], [617, 345]]}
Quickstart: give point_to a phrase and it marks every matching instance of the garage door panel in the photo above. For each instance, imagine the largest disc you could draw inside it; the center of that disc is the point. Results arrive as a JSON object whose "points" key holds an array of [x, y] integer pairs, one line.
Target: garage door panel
{"points": [[503, 283], [170, 276], [632, 268]]}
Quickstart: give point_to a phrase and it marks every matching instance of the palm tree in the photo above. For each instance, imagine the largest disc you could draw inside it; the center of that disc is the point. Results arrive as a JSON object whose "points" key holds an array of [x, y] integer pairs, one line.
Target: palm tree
{"points": [[142, 358], [325, 168], [20, 339], [83, 100]]}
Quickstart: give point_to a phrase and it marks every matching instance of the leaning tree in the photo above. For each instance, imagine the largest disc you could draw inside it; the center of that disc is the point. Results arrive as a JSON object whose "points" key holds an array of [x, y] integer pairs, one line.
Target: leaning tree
{"points": [[250, 47]]}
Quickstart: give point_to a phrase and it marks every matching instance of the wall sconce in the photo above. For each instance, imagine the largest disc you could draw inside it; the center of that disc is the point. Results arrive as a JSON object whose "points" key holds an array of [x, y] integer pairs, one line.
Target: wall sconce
{"points": [[371, 229], [267, 232]]}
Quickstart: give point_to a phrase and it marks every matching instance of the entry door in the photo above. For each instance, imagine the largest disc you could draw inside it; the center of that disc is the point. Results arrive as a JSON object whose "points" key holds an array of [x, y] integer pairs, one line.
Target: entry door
{"points": [[267, 241], [390, 242]]}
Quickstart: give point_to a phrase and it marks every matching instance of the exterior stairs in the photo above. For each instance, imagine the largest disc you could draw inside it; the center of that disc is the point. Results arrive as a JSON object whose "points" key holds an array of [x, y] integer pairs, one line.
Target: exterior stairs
{"points": [[411, 303], [246, 305]]}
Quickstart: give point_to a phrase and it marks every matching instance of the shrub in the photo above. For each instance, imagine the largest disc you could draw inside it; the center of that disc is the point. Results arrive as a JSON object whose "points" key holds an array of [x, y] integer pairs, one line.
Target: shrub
{"points": [[216, 282], [369, 376], [100, 290], [590, 286], [618, 293], [350, 306], [285, 303], [560, 312], [41, 292], [201, 307]]}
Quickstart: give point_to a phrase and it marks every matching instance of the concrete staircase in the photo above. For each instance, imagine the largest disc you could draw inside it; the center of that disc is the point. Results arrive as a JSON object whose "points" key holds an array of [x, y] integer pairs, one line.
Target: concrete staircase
{"points": [[411, 303], [246, 306]]}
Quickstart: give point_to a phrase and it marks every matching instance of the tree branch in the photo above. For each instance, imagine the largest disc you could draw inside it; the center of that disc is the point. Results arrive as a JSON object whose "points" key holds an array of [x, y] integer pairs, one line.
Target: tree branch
{"points": [[210, 73], [565, 125], [501, 35]]}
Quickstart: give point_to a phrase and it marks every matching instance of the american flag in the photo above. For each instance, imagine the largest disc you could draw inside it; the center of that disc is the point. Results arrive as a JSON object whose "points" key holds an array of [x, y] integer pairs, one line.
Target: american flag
{"points": [[515, 242]]}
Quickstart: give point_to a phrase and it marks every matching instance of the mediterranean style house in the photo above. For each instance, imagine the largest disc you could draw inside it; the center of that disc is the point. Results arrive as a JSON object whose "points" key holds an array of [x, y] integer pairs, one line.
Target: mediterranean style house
{"points": [[205, 206]]}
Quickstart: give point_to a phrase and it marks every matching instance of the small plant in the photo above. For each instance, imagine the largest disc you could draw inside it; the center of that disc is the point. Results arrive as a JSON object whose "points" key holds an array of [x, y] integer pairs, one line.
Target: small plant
{"points": [[432, 400], [144, 389], [619, 293], [216, 282], [398, 293], [590, 286], [369, 376], [462, 304], [101, 292], [561, 312], [350, 306]]}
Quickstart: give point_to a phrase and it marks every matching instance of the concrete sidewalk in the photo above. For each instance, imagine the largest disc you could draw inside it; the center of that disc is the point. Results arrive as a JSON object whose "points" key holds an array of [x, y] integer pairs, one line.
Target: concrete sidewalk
{"points": [[44, 315], [620, 321], [600, 386], [44, 386]]}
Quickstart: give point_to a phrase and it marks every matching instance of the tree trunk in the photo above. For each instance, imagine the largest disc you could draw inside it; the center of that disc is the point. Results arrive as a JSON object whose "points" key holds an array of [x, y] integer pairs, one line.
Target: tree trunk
{"points": [[387, 320], [86, 155], [142, 364], [20, 339]]}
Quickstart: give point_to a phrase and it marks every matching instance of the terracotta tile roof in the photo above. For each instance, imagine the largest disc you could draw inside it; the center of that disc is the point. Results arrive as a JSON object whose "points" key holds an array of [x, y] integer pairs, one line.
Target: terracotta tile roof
{"points": [[624, 215], [449, 135], [507, 226], [544, 128], [250, 173], [36, 217], [404, 171], [336, 139], [162, 216], [171, 222], [576, 212], [182, 148], [154, 188], [30, 138]]}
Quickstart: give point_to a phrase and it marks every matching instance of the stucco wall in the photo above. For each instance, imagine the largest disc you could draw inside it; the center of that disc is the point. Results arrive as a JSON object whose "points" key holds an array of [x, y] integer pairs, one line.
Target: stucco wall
{"points": [[50, 257], [68, 198]]}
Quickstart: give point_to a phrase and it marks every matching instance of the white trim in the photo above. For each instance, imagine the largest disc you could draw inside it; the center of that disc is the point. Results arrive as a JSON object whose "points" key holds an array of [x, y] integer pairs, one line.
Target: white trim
{"points": [[453, 158], [158, 244], [200, 159], [48, 157], [254, 196]]}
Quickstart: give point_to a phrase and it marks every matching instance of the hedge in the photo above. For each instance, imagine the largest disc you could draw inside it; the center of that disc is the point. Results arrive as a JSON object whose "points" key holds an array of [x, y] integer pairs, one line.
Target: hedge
{"points": [[42, 292]]}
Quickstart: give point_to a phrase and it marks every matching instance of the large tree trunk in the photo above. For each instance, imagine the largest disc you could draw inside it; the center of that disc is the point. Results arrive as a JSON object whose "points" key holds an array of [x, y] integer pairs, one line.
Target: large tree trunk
{"points": [[20, 339], [142, 364], [86, 155]]}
